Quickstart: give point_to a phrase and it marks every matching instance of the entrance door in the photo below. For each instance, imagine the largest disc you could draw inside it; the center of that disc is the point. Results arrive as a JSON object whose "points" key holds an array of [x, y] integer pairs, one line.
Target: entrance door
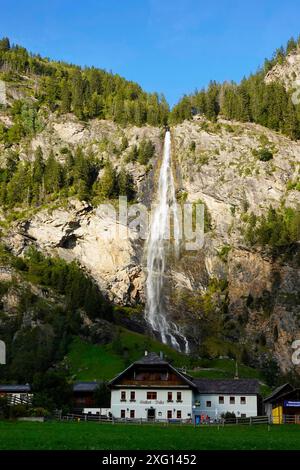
{"points": [[151, 414]]}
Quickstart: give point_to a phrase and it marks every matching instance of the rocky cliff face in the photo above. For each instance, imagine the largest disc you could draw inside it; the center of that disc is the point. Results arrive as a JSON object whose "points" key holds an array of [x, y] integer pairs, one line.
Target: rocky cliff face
{"points": [[79, 232], [287, 72], [217, 165], [241, 297]]}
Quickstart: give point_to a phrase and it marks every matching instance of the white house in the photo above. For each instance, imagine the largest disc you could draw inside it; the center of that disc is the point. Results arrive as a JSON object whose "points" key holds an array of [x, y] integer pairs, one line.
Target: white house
{"points": [[215, 397], [153, 389]]}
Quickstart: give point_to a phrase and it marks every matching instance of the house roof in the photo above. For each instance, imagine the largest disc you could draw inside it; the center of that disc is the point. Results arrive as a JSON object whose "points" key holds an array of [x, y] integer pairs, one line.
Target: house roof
{"points": [[227, 386], [85, 386], [282, 389], [15, 388], [152, 359], [294, 392], [203, 385]]}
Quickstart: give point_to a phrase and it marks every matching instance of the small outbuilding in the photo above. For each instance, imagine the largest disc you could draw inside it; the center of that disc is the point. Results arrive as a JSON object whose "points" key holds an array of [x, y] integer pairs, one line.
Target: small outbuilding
{"points": [[16, 394], [283, 405], [84, 394]]}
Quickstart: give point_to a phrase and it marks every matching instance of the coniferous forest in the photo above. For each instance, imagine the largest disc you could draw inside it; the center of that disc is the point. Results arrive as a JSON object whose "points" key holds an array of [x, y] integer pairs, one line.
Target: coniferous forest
{"points": [[87, 92], [92, 92], [252, 100]]}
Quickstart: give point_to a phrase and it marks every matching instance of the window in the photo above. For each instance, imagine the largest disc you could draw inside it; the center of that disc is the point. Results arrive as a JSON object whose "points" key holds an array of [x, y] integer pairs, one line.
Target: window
{"points": [[132, 413], [123, 413], [179, 396], [151, 395], [232, 400], [123, 396], [169, 414], [221, 400], [243, 400], [179, 414], [243, 415], [170, 396], [208, 404], [132, 396]]}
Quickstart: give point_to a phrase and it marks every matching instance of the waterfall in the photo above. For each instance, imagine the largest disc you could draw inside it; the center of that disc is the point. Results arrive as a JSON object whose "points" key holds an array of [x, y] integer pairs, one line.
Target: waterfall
{"points": [[159, 241]]}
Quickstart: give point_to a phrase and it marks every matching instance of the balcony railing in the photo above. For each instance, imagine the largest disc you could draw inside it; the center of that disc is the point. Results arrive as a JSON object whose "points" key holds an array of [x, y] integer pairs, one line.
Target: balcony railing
{"points": [[159, 383]]}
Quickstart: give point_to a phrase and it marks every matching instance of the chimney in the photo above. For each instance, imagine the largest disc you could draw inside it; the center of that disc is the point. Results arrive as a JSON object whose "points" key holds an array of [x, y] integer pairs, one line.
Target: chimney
{"points": [[236, 371], [146, 353]]}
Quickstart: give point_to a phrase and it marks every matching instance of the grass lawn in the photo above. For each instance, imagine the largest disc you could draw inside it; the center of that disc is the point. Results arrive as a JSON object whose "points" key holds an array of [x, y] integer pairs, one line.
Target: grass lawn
{"points": [[95, 436]]}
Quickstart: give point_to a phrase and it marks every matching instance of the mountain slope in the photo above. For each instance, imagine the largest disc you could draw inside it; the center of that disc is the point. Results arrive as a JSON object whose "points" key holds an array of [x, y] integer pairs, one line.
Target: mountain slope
{"points": [[239, 295]]}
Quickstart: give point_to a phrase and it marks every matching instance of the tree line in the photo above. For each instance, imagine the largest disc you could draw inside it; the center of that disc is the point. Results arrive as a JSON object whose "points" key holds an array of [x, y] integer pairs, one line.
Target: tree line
{"points": [[87, 92], [45, 179], [252, 100]]}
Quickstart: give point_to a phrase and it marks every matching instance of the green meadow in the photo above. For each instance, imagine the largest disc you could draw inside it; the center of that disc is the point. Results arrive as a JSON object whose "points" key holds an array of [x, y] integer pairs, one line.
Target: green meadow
{"points": [[97, 436]]}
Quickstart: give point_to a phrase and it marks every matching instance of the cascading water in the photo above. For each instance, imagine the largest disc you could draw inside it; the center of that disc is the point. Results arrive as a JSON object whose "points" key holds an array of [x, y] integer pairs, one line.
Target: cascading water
{"points": [[158, 243]]}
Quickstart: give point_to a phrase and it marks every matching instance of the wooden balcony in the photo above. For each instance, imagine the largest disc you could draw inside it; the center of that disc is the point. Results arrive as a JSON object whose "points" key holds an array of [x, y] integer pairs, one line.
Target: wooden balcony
{"points": [[152, 383]]}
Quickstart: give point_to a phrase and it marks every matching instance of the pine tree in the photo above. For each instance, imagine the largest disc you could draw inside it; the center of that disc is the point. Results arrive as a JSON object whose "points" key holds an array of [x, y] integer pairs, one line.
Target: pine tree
{"points": [[66, 97], [95, 106], [145, 152], [125, 184], [291, 46], [108, 182], [78, 94], [19, 187], [212, 102], [38, 176], [4, 45], [132, 155], [291, 125], [53, 175]]}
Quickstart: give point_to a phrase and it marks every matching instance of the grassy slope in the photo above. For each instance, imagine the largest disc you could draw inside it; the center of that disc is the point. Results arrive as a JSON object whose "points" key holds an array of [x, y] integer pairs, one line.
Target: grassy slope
{"points": [[93, 362], [89, 362], [93, 436]]}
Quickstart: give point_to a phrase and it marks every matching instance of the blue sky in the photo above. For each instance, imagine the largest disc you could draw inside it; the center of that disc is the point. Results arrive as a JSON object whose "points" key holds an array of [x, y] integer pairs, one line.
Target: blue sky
{"points": [[169, 46]]}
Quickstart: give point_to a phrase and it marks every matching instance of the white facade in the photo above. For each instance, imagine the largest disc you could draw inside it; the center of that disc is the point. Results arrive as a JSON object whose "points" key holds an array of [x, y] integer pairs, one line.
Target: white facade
{"points": [[152, 389], [214, 405], [160, 407]]}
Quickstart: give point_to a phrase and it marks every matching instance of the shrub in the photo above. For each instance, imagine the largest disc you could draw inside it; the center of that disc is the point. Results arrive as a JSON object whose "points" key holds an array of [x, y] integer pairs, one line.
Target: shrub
{"points": [[264, 155], [228, 415], [193, 146], [18, 411], [39, 412]]}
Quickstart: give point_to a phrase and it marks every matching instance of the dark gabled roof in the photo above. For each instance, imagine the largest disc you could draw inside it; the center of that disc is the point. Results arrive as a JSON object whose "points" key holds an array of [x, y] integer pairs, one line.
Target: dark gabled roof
{"points": [[227, 386], [15, 388], [284, 395], [282, 389], [152, 359], [85, 386]]}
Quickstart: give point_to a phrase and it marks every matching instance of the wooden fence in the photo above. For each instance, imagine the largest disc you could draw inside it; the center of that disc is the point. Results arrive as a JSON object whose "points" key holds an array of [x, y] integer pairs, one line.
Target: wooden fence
{"points": [[104, 419]]}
